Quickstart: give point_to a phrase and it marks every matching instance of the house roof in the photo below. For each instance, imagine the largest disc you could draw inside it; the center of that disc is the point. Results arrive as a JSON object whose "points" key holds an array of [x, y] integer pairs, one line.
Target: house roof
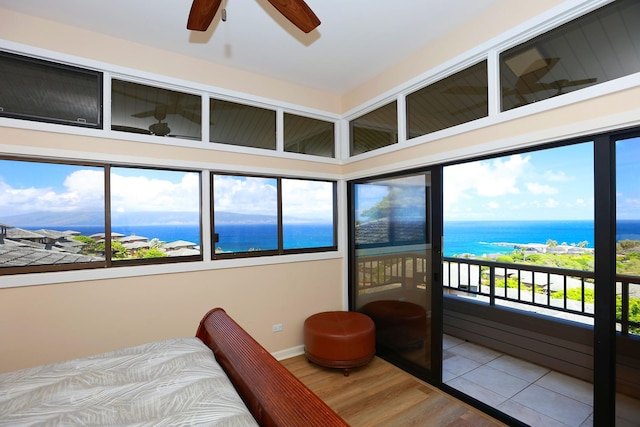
{"points": [[19, 233], [179, 244], [20, 256], [355, 41]]}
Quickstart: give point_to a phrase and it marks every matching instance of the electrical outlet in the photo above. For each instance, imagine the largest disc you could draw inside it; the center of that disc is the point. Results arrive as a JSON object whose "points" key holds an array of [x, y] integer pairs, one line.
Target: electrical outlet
{"points": [[277, 327]]}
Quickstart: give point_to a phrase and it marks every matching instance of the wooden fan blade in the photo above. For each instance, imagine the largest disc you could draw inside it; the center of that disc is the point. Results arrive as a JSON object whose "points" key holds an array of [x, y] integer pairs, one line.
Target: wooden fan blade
{"points": [[202, 13], [298, 13]]}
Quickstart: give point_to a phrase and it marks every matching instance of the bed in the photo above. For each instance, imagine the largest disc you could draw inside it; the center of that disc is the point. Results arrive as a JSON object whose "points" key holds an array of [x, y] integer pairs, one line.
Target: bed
{"points": [[222, 376]]}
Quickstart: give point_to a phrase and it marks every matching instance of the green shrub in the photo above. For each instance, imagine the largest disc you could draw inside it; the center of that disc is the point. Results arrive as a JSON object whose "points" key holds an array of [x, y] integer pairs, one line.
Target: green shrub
{"points": [[576, 295]]}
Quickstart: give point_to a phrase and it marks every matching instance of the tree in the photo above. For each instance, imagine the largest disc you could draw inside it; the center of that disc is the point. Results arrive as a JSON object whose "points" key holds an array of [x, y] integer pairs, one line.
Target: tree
{"points": [[379, 210], [118, 251], [156, 243], [150, 253], [90, 246]]}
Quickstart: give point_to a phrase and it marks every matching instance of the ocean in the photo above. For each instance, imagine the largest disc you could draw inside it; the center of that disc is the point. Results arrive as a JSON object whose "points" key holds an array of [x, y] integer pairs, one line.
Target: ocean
{"points": [[481, 237], [232, 237], [460, 237]]}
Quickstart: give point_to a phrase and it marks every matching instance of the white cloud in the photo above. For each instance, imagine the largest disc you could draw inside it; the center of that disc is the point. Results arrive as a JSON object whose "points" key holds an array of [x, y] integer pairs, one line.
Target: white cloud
{"points": [[557, 176], [82, 190], [301, 199], [249, 196], [551, 203], [494, 178], [538, 189], [141, 193], [307, 199]]}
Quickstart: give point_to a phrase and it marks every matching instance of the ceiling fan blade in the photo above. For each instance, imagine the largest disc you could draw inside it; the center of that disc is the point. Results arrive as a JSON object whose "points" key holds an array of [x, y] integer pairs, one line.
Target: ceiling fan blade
{"points": [[144, 114], [298, 13], [130, 129], [202, 13]]}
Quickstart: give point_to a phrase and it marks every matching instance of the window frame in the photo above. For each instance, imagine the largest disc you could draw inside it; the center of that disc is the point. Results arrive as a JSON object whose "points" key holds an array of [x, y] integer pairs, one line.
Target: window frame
{"points": [[280, 233], [108, 262], [99, 75]]}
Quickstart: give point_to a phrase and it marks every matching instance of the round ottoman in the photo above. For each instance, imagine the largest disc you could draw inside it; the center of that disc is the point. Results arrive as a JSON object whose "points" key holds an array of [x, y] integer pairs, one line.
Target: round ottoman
{"points": [[339, 339], [399, 324]]}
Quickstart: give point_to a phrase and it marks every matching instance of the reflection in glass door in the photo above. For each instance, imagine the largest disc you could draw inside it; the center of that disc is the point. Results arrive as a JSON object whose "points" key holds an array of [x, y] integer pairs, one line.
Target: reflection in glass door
{"points": [[391, 265], [627, 281]]}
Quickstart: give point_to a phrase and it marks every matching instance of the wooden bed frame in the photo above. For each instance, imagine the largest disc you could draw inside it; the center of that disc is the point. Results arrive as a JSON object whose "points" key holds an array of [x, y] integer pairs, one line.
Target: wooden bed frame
{"points": [[274, 395]]}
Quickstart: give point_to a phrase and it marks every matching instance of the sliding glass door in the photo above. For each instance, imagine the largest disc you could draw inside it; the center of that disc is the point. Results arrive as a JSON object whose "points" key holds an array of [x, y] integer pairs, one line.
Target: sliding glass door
{"points": [[627, 400], [391, 265]]}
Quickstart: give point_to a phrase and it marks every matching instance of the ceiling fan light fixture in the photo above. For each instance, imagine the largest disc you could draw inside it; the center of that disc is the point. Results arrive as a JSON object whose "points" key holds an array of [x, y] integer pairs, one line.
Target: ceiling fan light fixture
{"points": [[526, 62], [160, 129]]}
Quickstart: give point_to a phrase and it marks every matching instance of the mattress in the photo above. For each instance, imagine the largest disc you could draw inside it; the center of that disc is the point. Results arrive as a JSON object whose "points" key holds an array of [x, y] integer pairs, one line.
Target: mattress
{"points": [[167, 383]]}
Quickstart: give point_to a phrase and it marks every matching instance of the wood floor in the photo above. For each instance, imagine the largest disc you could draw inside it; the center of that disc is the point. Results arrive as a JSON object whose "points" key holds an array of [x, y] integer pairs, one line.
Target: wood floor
{"points": [[381, 394]]}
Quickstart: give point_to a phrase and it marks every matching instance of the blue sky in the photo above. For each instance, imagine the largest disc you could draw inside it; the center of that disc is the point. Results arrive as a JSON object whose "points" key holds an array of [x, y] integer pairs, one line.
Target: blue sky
{"points": [[27, 187], [552, 184], [301, 199], [628, 179]]}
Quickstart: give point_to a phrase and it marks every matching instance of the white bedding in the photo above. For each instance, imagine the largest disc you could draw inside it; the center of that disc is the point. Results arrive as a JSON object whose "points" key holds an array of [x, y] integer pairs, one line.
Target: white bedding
{"points": [[167, 383]]}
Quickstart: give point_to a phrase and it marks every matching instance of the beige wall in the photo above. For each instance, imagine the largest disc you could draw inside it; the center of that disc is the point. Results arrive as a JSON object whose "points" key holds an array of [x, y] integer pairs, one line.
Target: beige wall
{"points": [[612, 111], [40, 324], [506, 14], [55, 37], [41, 143]]}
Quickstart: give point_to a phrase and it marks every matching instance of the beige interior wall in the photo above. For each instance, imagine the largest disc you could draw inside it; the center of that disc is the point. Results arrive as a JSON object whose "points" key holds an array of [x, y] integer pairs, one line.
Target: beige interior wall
{"points": [[613, 111], [503, 16], [42, 324], [41, 143], [31, 31]]}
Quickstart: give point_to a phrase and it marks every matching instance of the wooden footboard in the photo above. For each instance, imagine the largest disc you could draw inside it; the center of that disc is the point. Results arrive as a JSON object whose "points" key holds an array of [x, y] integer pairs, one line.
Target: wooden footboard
{"points": [[274, 396]]}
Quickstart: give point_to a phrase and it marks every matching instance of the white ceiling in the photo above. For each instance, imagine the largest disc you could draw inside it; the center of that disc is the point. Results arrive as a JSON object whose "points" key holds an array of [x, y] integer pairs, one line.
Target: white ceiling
{"points": [[356, 40]]}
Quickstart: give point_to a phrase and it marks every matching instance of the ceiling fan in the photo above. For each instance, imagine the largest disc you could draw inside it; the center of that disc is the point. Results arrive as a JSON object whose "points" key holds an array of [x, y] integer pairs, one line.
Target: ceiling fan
{"points": [[528, 80], [296, 11]]}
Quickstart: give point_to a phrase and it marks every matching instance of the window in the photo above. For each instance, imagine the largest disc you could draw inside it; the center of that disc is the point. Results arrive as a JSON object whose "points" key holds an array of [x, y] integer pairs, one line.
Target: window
{"points": [[154, 213], [53, 216], [308, 136], [149, 110], [255, 215], [308, 213], [600, 46], [376, 129], [245, 214], [391, 212], [515, 215], [454, 100], [47, 212], [45, 91], [244, 125]]}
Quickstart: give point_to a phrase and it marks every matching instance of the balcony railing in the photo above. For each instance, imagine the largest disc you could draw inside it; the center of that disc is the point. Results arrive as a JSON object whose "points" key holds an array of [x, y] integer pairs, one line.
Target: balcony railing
{"points": [[551, 291]]}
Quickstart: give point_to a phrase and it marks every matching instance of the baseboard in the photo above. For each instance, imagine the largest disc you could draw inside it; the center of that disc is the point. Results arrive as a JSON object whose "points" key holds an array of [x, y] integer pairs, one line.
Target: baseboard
{"points": [[289, 352]]}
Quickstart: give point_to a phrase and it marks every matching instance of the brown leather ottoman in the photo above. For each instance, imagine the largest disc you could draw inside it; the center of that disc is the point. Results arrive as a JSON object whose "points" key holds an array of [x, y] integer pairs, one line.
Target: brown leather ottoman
{"points": [[339, 339], [399, 324]]}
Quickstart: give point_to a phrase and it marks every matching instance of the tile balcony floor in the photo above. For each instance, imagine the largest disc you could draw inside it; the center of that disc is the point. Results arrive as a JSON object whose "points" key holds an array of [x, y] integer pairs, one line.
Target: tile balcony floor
{"points": [[528, 392]]}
